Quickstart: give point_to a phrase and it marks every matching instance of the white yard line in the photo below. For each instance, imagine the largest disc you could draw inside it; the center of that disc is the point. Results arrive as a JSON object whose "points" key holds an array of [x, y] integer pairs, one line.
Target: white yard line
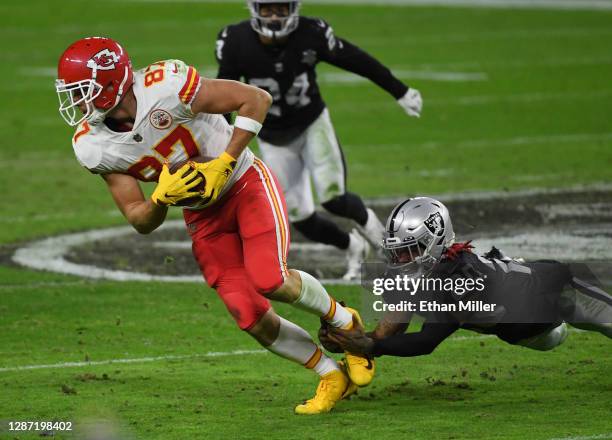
{"points": [[587, 437], [490, 195], [43, 284], [324, 77], [51, 217], [499, 4], [210, 354], [349, 78], [513, 141], [520, 97]]}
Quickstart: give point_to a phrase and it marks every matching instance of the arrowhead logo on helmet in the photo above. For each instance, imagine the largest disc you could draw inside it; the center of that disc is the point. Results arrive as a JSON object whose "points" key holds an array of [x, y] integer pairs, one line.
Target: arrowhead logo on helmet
{"points": [[103, 60]]}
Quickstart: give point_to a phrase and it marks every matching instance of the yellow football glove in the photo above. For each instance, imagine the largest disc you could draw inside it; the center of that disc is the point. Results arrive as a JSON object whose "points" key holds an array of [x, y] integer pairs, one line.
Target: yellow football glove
{"points": [[216, 174], [174, 187]]}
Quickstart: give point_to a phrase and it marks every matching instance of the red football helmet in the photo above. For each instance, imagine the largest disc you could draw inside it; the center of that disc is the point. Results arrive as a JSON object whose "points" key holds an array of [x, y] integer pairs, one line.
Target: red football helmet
{"points": [[94, 72]]}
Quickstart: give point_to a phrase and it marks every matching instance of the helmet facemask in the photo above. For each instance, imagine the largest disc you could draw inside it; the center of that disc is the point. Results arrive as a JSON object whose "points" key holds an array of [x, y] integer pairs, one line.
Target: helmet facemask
{"points": [[411, 256], [274, 26], [72, 96]]}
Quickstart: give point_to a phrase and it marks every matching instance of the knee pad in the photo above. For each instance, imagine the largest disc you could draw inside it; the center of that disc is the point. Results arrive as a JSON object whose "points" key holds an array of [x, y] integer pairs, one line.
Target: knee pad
{"points": [[348, 205], [337, 205], [322, 230], [548, 340]]}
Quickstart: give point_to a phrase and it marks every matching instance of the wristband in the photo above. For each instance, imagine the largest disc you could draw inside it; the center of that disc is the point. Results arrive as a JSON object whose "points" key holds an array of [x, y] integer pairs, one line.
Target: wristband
{"points": [[247, 124]]}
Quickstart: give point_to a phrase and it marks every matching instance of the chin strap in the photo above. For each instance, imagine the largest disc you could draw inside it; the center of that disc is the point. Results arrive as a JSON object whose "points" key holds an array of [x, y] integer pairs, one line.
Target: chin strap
{"points": [[96, 115]]}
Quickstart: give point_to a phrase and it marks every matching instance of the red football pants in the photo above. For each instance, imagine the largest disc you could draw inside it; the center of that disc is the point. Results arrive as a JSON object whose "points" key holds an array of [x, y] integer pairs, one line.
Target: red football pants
{"points": [[241, 243]]}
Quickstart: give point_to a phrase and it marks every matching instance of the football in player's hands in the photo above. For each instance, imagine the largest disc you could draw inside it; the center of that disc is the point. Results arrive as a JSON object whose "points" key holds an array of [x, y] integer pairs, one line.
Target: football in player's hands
{"points": [[198, 159]]}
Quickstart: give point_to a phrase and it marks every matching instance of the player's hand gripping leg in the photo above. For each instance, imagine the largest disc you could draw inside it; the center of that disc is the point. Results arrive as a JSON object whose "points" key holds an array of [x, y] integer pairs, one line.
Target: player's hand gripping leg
{"points": [[306, 292]]}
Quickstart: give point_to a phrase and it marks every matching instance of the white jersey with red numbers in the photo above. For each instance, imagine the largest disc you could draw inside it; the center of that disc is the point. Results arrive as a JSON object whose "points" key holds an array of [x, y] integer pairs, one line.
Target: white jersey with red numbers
{"points": [[165, 128]]}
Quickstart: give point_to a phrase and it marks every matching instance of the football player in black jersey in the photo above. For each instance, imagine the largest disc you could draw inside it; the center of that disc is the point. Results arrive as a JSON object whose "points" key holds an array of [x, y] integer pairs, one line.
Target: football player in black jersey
{"points": [[532, 301], [278, 50]]}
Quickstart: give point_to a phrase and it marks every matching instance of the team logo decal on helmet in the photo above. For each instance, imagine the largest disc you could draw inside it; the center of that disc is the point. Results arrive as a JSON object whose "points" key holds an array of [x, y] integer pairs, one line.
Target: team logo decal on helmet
{"points": [[103, 60], [160, 119], [435, 224]]}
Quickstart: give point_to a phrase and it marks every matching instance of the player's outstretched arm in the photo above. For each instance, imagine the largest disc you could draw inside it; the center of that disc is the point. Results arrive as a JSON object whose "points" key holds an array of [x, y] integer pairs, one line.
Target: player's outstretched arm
{"points": [[341, 53], [220, 97], [402, 344]]}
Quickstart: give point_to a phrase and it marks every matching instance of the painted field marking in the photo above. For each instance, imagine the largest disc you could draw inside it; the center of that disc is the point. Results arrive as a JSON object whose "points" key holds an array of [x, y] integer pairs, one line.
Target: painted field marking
{"points": [[513, 141], [210, 354], [350, 78], [43, 284], [49, 254], [55, 216], [497, 4], [324, 77], [587, 437]]}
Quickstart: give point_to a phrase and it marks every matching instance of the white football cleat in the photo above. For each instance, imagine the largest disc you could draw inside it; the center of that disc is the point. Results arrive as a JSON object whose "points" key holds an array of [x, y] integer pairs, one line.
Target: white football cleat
{"points": [[373, 230], [357, 252]]}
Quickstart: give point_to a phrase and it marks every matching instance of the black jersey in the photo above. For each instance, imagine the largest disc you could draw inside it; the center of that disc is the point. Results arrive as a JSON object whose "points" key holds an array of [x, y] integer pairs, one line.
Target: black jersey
{"points": [[288, 73], [526, 296]]}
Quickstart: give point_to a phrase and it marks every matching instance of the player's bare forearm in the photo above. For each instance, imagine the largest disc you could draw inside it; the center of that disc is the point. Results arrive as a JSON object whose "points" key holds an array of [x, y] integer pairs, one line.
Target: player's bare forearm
{"points": [[225, 96], [144, 215], [240, 139]]}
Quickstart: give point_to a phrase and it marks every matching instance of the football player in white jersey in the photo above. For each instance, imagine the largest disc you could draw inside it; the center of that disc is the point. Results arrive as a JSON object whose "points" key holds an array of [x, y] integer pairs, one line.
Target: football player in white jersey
{"points": [[135, 126]]}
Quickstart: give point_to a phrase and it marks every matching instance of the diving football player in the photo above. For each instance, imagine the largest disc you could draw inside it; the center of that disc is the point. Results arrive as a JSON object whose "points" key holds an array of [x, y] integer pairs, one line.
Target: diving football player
{"points": [[532, 301]]}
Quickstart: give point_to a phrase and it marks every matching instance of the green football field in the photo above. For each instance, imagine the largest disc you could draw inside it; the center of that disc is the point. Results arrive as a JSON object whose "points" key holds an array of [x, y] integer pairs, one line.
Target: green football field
{"points": [[513, 99]]}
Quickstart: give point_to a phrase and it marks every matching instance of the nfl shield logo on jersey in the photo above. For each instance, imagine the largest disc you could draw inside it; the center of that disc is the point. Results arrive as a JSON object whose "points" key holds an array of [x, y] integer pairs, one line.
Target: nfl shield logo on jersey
{"points": [[160, 119]]}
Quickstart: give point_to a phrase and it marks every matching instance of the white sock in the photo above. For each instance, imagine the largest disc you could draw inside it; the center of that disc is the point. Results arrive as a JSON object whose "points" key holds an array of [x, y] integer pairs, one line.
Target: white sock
{"points": [[373, 227], [315, 299], [325, 365], [295, 344]]}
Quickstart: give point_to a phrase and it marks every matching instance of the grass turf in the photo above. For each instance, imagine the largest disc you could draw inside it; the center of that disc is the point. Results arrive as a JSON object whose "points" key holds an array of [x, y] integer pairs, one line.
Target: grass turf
{"points": [[541, 118], [470, 387]]}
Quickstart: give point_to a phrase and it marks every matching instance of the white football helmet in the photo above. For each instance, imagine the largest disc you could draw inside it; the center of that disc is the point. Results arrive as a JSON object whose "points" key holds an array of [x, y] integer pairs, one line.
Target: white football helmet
{"points": [[416, 235], [278, 27]]}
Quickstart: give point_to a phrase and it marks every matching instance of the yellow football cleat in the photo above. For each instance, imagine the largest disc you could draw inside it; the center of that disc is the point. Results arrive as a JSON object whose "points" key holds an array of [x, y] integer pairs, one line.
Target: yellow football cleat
{"points": [[331, 389], [360, 369], [352, 388]]}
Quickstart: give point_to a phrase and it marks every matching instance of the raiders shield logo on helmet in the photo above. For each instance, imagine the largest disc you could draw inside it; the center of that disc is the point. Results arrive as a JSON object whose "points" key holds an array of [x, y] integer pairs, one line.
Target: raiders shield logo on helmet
{"points": [[435, 224]]}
